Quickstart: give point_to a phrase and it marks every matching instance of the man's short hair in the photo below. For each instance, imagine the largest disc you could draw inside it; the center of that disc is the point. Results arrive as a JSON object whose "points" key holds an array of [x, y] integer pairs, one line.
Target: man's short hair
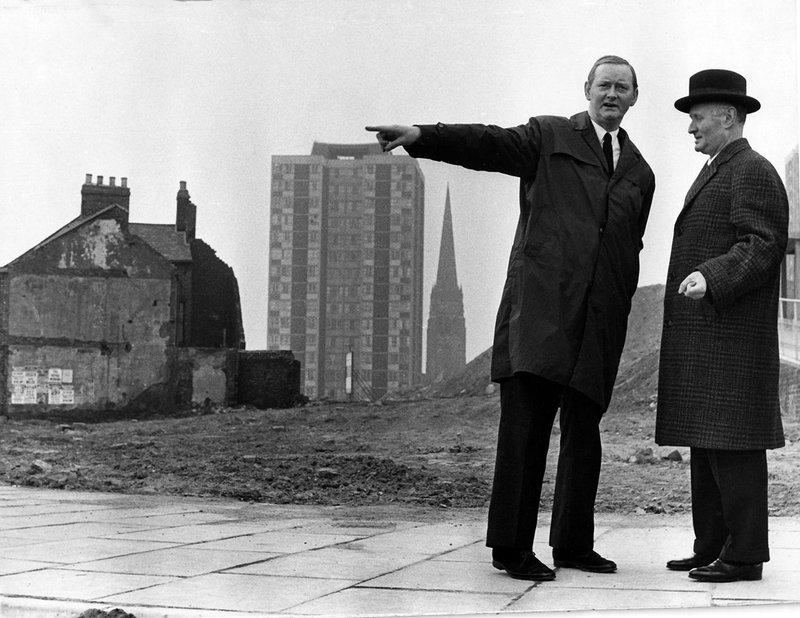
{"points": [[613, 60], [741, 112]]}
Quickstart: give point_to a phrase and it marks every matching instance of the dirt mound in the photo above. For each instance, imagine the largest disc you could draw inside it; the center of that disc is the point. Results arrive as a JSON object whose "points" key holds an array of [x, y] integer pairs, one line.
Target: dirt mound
{"points": [[473, 380], [644, 321]]}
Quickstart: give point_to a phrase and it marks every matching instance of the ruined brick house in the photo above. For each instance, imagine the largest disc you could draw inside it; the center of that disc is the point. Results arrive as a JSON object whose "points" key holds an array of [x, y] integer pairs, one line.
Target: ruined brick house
{"points": [[107, 313]]}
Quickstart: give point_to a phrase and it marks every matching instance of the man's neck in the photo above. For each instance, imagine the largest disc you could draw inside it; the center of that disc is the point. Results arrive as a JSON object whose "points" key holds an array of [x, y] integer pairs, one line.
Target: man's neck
{"points": [[607, 127], [731, 137], [600, 130]]}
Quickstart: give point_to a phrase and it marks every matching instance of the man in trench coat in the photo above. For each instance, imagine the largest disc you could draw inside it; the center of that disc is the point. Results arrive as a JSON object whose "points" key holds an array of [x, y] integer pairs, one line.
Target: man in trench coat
{"points": [[561, 324], [719, 366]]}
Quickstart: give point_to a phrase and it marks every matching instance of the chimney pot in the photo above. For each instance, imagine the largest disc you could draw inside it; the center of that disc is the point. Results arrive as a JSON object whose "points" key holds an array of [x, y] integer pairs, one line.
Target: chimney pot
{"points": [[96, 197], [183, 185], [124, 181]]}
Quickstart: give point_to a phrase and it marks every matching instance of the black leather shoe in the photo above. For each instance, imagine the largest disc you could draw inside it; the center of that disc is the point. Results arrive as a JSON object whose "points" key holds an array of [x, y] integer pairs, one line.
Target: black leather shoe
{"points": [[523, 565], [721, 571], [687, 564], [591, 561]]}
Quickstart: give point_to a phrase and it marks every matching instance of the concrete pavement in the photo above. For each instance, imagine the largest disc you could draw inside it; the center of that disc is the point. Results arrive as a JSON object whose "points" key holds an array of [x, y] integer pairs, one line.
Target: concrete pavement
{"points": [[63, 553]]}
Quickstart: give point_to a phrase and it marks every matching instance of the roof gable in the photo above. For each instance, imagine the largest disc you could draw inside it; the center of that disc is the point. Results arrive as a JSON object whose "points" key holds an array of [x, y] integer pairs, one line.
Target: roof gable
{"points": [[77, 222], [164, 238]]}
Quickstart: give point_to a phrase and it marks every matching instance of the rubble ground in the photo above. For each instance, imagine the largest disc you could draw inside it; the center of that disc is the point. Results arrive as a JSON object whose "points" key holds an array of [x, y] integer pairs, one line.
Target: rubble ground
{"points": [[436, 448], [432, 452]]}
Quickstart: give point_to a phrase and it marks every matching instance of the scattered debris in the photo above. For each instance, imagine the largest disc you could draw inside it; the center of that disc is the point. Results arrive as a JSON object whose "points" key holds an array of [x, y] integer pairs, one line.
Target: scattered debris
{"points": [[328, 473], [642, 456], [99, 613], [39, 466]]}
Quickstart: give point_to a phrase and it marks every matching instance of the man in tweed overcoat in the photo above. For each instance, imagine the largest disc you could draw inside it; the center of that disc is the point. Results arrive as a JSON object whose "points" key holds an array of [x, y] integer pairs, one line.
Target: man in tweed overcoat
{"points": [[719, 367]]}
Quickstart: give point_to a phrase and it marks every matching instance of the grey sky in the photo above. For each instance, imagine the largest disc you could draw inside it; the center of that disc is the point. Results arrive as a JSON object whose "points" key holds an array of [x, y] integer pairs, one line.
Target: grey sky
{"points": [[160, 91]]}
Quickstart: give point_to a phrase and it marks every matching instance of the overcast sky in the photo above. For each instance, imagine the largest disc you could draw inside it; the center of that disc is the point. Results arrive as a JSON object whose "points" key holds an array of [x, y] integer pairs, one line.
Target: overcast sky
{"points": [[160, 91]]}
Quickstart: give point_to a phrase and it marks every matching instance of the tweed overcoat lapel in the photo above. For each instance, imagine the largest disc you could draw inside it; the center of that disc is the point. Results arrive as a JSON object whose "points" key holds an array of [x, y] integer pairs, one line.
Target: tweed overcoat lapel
{"points": [[708, 171]]}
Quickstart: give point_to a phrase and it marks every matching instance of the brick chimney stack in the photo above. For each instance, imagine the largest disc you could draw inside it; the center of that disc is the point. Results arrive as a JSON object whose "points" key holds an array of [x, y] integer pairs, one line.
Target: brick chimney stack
{"points": [[186, 214], [96, 197]]}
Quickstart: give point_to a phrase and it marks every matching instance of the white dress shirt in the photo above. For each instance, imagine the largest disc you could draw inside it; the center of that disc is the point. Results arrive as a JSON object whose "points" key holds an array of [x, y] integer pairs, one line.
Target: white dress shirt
{"points": [[601, 132]]}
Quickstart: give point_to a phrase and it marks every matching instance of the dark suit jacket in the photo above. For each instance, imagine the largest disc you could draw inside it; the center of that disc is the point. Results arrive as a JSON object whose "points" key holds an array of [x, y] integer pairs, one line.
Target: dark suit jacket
{"points": [[718, 376], [574, 262]]}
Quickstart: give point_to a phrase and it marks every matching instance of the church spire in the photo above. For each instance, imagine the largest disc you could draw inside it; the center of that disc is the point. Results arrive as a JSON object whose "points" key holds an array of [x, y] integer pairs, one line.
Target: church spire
{"points": [[446, 350], [446, 276]]}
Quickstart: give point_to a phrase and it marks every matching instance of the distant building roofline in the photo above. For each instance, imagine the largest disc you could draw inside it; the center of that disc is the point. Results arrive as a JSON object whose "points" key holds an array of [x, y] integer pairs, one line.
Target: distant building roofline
{"points": [[346, 151]]}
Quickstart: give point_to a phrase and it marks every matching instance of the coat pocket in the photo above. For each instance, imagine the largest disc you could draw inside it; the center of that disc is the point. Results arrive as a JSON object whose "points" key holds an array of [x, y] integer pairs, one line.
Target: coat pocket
{"points": [[542, 236], [708, 310]]}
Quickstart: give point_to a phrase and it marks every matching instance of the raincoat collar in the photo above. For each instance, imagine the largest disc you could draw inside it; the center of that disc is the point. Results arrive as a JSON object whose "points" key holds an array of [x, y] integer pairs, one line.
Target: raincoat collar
{"points": [[629, 154]]}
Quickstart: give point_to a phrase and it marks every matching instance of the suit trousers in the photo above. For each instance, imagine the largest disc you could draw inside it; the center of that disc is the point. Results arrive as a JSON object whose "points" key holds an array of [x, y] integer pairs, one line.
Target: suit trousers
{"points": [[528, 406], [729, 504]]}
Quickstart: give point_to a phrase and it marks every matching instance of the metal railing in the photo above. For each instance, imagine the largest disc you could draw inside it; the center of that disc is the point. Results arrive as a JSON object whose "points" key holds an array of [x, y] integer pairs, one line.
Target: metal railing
{"points": [[789, 329]]}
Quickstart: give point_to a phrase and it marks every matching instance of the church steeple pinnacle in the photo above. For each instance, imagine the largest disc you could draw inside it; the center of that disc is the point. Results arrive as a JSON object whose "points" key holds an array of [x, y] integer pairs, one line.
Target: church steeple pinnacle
{"points": [[446, 274], [446, 352]]}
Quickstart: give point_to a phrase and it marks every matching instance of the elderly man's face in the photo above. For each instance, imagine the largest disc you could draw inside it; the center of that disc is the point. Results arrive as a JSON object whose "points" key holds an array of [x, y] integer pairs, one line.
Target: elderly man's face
{"points": [[707, 128], [610, 94]]}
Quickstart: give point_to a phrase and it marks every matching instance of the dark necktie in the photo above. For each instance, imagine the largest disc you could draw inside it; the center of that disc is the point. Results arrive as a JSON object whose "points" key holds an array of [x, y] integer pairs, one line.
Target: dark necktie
{"points": [[608, 151]]}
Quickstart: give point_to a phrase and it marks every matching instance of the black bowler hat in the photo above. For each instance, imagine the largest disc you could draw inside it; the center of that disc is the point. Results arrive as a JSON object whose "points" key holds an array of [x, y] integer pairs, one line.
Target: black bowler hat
{"points": [[717, 85]]}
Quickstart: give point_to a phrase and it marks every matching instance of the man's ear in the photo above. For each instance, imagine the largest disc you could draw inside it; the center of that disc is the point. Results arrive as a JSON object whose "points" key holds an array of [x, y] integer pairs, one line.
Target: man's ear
{"points": [[586, 90], [635, 97], [730, 116]]}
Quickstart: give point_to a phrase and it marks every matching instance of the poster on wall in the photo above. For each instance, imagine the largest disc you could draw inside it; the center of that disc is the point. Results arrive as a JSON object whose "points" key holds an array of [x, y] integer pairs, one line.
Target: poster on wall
{"points": [[67, 394], [44, 385]]}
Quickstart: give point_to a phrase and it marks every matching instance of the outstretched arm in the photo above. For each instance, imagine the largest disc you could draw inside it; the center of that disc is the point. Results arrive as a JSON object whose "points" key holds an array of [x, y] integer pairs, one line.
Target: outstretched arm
{"points": [[513, 151], [394, 135]]}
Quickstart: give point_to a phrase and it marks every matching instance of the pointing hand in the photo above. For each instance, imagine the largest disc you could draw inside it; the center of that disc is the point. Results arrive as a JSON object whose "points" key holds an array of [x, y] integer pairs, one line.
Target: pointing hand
{"points": [[392, 136]]}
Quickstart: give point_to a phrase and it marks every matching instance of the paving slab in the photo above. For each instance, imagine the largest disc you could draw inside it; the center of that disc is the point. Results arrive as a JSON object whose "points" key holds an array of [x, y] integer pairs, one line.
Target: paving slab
{"points": [[355, 527], [57, 532], [784, 538], [378, 602], [333, 563], [176, 561], [9, 566], [230, 591], [54, 517], [78, 549], [74, 585], [553, 598], [427, 539], [189, 534], [280, 541], [468, 577], [64, 552]]}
